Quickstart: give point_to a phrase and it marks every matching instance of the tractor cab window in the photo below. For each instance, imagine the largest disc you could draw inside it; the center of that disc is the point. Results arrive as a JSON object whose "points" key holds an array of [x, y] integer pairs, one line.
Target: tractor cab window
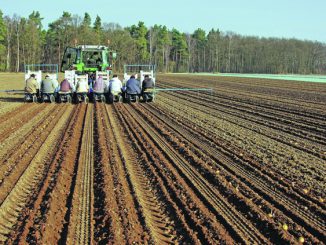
{"points": [[69, 59], [92, 58]]}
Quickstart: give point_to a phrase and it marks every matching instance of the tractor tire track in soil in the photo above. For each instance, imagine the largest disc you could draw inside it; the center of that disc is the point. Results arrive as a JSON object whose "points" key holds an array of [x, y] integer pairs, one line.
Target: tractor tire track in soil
{"points": [[244, 163], [80, 229]]}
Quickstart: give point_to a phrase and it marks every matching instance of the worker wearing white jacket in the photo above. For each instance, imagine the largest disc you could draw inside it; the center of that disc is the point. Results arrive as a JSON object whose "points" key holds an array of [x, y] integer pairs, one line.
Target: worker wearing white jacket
{"points": [[115, 85], [82, 86]]}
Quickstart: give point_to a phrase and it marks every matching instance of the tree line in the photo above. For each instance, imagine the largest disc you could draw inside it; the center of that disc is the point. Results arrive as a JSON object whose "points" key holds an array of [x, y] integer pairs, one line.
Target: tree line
{"points": [[24, 40]]}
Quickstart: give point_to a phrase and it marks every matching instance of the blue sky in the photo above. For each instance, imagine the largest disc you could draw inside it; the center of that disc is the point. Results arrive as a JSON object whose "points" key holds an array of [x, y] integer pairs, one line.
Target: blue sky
{"points": [[301, 19]]}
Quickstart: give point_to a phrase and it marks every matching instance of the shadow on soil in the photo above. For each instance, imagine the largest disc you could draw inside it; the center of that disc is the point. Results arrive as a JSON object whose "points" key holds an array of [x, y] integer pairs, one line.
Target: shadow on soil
{"points": [[11, 99]]}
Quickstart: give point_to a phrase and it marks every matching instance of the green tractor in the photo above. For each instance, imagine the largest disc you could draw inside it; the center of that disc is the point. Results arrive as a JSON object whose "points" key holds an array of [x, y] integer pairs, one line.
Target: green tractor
{"points": [[88, 59]]}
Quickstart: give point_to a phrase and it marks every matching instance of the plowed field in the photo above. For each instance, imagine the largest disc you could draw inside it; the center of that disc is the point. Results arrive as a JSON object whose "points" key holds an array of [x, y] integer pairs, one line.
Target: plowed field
{"points": [[245, 163]]}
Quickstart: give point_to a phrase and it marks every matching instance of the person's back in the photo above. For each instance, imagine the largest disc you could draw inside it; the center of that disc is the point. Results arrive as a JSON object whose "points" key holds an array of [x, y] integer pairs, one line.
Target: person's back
{"points": [[48, 86], [147, 83], [99, 85], [65, 86], [133, 86], [31, 85], [82, 86], [115, 85]]}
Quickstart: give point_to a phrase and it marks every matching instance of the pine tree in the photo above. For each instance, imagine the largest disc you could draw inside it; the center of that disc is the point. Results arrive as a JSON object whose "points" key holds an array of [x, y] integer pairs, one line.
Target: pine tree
{"points": [[98, 29]]}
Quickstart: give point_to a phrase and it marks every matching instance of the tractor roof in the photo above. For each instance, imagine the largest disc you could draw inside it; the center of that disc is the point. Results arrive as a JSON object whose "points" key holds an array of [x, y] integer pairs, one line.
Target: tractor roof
{"points": [[92, 47]]}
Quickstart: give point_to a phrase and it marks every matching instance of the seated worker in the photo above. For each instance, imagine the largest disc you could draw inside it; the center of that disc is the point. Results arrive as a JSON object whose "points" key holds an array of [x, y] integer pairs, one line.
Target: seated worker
{"points": [[32, 86], [133, 86], [99, 85], [82, 87], [97, 92], [66, 87], [114, 89], [95, 58], [115, 85], [48, 85], [148, 83]]}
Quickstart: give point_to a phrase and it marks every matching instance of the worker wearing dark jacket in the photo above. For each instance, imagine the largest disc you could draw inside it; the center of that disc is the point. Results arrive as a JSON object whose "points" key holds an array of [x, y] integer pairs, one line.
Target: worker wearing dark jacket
{"points": [[147, 83], [133, 86], [147, 89]]}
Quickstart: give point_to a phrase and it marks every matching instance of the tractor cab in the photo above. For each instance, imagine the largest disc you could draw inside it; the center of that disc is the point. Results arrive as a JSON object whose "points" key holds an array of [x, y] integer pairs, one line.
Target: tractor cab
{"points": [[70, 58], [87, 58]]}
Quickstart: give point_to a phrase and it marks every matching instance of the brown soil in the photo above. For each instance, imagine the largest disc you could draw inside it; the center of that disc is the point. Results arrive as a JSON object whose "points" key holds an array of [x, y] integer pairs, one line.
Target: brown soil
{"points": [[245, 163]]}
